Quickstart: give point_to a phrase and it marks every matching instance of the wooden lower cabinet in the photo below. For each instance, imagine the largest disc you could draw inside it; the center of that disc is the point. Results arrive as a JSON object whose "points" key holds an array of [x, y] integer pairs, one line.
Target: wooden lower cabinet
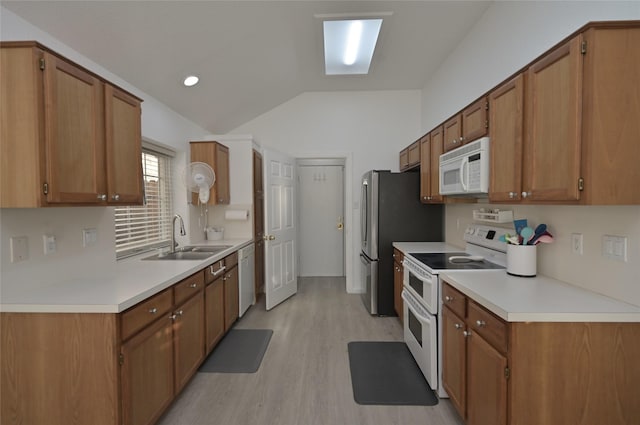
{"points": [[486, 383], [188, 339], [214, 313], [147, 373], [398, 282], [532, 373], [231, 301]]}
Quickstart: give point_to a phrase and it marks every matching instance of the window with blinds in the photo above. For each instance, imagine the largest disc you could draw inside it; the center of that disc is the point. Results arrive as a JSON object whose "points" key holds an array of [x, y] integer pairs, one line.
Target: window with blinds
{"points": [[141, 228]]}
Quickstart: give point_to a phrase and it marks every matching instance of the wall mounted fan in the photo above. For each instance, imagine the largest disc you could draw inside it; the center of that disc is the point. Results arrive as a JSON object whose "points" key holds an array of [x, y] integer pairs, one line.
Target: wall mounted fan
{"points": [[199, 177]]}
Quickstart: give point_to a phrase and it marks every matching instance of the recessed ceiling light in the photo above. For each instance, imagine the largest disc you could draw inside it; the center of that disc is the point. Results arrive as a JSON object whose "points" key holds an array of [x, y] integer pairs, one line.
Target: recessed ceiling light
{"points": [[349, 45], [191, 80]]}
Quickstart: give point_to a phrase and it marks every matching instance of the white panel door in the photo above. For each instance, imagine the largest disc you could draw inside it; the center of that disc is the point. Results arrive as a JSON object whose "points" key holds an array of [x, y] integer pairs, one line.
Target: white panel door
{"points": [[281, 280], [321, 223]]}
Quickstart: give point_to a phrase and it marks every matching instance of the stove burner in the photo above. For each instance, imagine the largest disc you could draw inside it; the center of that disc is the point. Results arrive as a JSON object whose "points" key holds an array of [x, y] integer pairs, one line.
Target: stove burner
{"points": [[440, 261]]}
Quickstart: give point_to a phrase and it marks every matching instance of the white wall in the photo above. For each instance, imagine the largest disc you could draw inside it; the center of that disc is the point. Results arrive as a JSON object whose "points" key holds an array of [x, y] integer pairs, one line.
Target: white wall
{"points": [[366, 128], [510, 35], [159, 124]]}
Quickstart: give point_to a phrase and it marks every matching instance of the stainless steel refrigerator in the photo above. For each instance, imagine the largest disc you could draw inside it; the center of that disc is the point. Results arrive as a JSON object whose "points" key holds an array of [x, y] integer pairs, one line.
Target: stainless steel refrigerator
{"points": [[391, 211]]}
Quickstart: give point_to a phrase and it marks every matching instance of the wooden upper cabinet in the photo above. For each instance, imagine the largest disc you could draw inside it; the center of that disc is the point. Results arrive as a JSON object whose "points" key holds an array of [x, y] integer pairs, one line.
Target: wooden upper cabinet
{"points": [[506, 133], [452, 133], [610, 115], [474, 120], [56, 145], [430, 151], [410, 156], [467, 126], [123, 147], [552, 145], [217, 156]]}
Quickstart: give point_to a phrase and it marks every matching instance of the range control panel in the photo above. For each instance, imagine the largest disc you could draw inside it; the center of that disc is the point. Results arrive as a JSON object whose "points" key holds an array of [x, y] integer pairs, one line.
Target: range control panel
{"points": [[487, 236]]}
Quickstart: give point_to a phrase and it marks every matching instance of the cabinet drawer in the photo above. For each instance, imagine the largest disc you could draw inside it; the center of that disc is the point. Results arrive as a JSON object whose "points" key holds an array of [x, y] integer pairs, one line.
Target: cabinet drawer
{"points": [[214, 271], [188, 287], [231, 260], [490, 327], [142, 314], [455, 300]]}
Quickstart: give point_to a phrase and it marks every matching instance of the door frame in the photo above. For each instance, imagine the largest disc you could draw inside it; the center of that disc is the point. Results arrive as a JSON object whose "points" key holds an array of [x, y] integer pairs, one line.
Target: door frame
{"points": [[347, 157], [319, 162]]}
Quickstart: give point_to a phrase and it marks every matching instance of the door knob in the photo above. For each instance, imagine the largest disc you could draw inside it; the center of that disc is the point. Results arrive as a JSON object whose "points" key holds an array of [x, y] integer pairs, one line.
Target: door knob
{"points": [[340, 226], [269, 237]]}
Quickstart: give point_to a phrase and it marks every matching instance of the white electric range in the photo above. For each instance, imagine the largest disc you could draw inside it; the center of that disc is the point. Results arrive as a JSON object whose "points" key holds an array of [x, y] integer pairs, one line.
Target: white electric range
{"points": [[422, 292]]}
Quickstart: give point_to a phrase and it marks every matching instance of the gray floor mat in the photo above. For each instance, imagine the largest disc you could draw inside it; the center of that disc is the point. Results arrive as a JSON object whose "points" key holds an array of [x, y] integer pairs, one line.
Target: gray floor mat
{"points": [[240, 351]]}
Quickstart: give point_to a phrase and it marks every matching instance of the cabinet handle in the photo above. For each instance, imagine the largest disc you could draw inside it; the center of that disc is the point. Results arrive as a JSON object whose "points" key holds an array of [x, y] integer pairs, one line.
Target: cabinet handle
{"points": [[454, 142], [173, 317], [512, 195], [458, 326], [526, 194], [115, 197], [448, 298], [481, 323], [102, 196], [466, 333], [193, 285], [462, 139], [153, 310], [179, 313], [216, 273]]}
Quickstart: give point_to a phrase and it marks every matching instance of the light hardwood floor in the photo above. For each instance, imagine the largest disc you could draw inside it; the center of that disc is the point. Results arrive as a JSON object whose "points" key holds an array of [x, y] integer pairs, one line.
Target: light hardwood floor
{"points": [[304, 378]]}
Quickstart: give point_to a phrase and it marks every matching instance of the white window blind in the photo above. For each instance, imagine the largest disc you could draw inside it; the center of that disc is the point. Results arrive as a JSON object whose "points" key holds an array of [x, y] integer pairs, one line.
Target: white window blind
{"points": [[141, 228]]}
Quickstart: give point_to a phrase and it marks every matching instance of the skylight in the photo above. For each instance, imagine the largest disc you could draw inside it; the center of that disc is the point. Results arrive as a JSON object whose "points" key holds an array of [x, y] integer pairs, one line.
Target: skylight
{"points": [[349, 45]]}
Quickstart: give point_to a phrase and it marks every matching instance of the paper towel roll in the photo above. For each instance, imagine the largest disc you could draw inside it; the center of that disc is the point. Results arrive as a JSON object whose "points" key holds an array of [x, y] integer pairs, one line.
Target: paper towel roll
{"points": [[236, 214]]}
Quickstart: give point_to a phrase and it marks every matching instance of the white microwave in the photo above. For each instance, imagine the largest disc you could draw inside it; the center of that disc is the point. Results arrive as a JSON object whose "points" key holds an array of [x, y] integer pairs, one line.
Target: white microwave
{"points": [[465, 170]]}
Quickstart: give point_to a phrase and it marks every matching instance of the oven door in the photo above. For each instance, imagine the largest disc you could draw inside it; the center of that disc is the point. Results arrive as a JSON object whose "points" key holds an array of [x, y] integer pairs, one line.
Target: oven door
{"points": [[422, 285], [420, 335]]}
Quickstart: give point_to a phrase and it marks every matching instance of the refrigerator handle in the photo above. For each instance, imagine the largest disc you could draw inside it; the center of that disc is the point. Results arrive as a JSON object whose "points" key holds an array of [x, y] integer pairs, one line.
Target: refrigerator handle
{"points": [[364, 206]]}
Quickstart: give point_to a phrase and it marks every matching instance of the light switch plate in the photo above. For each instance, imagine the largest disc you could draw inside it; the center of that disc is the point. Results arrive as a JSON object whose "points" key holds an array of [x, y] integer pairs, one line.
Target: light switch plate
{"points": [[19, 248], [576, 243], [49, 242]]}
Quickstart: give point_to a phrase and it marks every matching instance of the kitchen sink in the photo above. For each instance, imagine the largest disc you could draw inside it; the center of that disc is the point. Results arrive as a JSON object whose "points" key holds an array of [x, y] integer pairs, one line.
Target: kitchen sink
{"points": [[182, 255], [206, 248]]}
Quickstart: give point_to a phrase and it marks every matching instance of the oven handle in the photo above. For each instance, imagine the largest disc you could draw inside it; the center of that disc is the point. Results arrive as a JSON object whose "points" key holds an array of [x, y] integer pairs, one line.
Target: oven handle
{"points": [[418, 311]]}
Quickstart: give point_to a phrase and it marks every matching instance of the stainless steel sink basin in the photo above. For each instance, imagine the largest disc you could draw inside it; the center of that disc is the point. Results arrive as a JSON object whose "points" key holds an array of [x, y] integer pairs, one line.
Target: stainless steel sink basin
{"points": [[182, 255], [206, 248]]}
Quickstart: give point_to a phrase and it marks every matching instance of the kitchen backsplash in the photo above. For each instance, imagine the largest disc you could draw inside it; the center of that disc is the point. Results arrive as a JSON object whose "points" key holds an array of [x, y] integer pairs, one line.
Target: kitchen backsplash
{"points": [[591, 270]]}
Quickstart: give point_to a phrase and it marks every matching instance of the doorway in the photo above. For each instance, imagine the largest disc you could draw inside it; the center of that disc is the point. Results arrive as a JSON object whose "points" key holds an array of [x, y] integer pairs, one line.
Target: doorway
{"points": [[321, 218]]}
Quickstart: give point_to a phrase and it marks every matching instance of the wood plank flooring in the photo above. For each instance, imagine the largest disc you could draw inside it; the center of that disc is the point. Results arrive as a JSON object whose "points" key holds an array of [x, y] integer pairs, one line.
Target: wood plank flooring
{"points": [[304, 378]]}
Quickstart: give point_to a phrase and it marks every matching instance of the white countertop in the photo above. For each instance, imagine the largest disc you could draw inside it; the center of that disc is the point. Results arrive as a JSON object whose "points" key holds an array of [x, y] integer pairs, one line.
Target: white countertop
{"points": [[132, 280], [409, 247], [535, 299]]}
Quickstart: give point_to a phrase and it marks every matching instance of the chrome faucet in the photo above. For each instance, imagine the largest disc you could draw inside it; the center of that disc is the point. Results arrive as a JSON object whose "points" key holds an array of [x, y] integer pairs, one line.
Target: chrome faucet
{"points": [[172, 249]]}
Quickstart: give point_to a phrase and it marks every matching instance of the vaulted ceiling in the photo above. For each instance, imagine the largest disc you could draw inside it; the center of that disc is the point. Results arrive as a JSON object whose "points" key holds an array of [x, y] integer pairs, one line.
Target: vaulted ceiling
{"points": [[250, 55]]}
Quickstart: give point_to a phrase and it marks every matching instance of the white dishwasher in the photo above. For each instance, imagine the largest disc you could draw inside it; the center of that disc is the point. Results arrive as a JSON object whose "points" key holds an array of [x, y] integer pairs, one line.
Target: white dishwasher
{"points": [[246, 277]]}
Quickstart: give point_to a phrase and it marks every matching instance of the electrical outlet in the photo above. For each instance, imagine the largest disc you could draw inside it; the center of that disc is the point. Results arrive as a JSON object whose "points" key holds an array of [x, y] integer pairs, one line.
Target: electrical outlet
{"points": [[19, 248], [89, 237], [576, 243], [614, 247]]}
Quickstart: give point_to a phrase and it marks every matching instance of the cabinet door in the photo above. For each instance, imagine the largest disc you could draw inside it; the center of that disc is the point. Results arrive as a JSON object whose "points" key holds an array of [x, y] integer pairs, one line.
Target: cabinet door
{"points": [[553, 137], [425, 169], [222, 174], [123, 147], [506, 133], [453, 133], [404, 159], [74, 133], [214, 313], [434, 168], [188, 339], [231, 306], [414, 153], [474, 121], [486, 383], [454, 368], [147, 374]]}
